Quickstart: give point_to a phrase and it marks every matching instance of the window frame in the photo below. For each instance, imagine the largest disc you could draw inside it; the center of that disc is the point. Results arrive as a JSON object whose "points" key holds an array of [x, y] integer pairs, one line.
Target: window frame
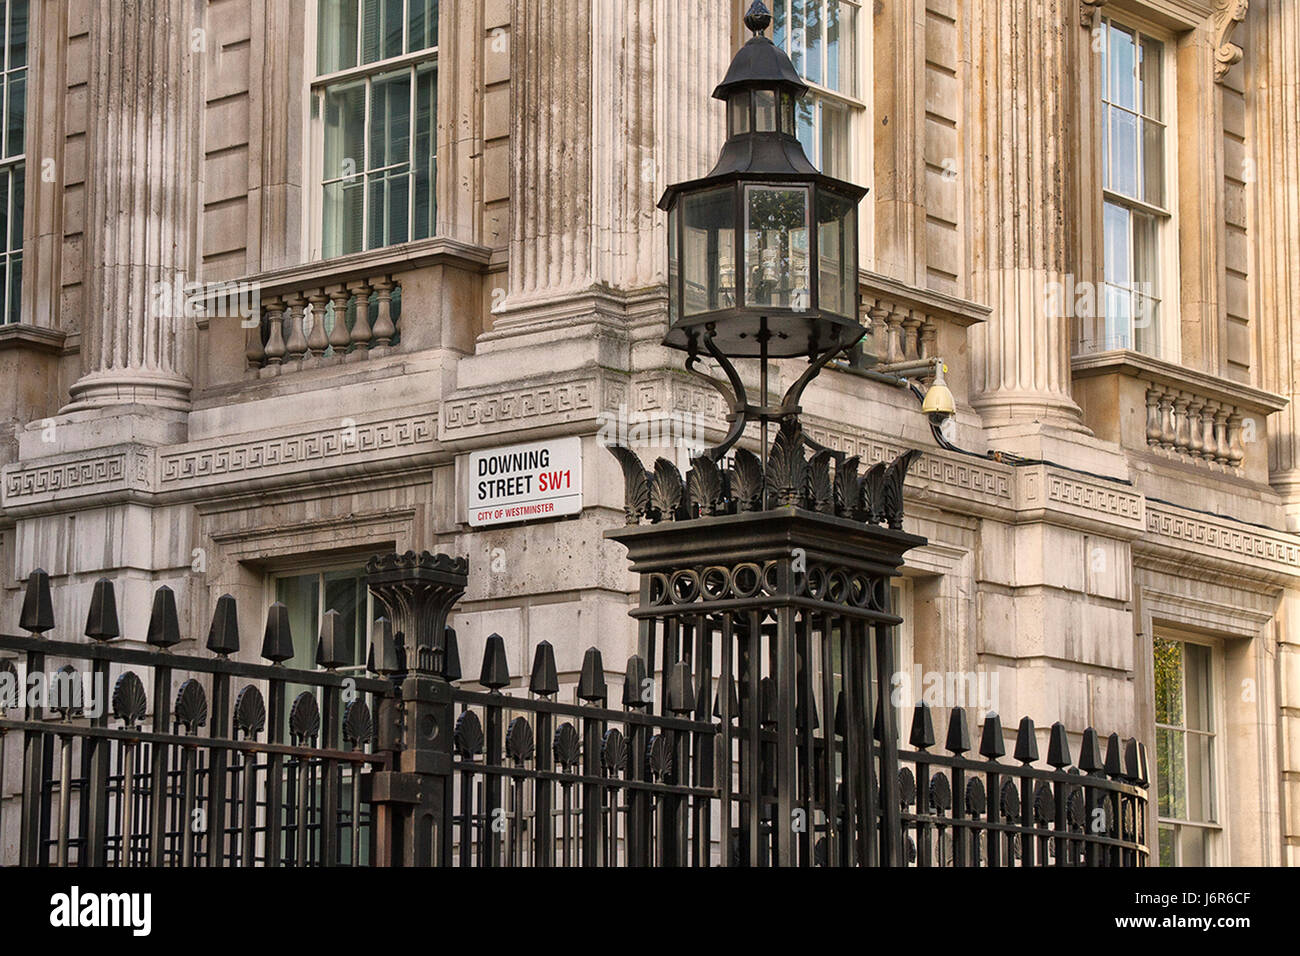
{"points": [[314, 134], [857, 109], [304, 567], [1215, 708], [1168, 321], [14, 169]]}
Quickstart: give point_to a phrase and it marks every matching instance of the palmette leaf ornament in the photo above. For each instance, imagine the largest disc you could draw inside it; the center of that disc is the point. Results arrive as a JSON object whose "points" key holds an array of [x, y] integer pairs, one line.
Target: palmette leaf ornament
{"points": [[871, 507], [304, 717], [746, 480], [613, 751], [848, 487], [129, 701], [250, 712], [636, 483], [567, 746], [468, 736], [787, 468], [519, 740], [666, 490], [191, 710], [895, 474], [659, 753], [704, 485], [358, 725], [821, 493]]}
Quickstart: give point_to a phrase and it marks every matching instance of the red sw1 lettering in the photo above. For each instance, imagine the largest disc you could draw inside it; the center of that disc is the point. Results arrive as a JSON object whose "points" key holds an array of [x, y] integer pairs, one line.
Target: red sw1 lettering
{"points": [[554, 480]]}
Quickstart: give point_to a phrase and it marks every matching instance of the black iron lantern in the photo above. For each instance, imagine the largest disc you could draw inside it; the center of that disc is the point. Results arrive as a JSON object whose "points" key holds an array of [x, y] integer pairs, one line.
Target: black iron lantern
{"points": [[763, 251]]}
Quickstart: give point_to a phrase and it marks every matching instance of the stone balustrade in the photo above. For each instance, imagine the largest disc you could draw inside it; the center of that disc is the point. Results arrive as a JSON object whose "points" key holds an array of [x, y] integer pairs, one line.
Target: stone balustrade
{"points": [[325, 322], [1194, 426]]}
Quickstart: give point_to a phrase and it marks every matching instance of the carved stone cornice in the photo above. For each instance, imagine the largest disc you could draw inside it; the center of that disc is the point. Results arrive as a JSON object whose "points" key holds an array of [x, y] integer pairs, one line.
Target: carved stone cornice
{"points": [[1227, 54]]}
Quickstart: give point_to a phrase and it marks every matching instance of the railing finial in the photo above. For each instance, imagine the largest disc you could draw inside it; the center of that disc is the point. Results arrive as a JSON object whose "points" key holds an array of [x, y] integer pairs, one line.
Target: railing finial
{"points": [[38, 608]]}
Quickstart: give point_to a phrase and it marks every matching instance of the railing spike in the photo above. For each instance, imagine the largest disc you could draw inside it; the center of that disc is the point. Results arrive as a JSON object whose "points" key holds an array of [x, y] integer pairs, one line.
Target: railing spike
{"points": [[334, 649], [1114, 765], [842, 717], [38, 607], [767, 702], [495, 672], [1090, 758], [1131, 769], [277, 642], [223, 635], [958, 741], [383, 649], [681, 692], [634, 683], [544, 680], [591, 683], [101, 622], [164, 624], [993, 743], [1058, 747], [1143, 770], [922, 735], [450, 655], [877, 722], [733, 699], [1026, 742]]}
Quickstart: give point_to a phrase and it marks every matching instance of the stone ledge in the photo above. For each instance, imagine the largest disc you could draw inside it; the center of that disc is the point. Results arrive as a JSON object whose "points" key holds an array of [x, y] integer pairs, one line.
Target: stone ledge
{"points": [[34, 337], [1137, 365]]}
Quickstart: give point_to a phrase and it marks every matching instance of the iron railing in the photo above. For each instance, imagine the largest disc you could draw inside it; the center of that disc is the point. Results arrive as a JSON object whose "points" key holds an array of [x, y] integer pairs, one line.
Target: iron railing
{"points": [[224, 772]]}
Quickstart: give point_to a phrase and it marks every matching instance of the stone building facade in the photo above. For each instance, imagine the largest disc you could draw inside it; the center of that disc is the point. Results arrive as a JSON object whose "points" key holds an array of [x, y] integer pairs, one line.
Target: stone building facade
{"points": [[1089, 209]]}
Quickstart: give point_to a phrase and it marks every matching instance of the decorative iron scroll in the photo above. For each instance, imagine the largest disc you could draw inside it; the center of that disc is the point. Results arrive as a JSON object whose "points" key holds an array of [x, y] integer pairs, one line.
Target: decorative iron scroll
{"points": [[826, 483]]}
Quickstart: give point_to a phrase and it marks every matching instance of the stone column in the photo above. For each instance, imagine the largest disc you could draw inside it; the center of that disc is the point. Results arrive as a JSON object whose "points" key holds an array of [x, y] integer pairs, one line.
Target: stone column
{"points": [[142, 220], [612, 103], [1022, 152], [1274, 86]]}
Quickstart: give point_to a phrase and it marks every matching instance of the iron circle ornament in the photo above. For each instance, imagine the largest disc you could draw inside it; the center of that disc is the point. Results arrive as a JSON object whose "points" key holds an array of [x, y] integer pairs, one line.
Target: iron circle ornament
{"points": [[684, 587], [746, 579], [715, 583], [658, 589]]}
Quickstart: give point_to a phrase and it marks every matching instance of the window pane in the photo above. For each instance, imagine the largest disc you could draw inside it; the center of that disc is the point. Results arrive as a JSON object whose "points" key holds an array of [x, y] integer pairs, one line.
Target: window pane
{"points": [[1168, 839], [344, 117], [1123, 153], [834, 141], [1117, 244], [17, 34], [336, 35], [1146, 324], [779, 23], [342, 217], [18, 184], [1197, 675], [389, 208], [798, 36], [422, 26], [1168, 656], [426, 120], [1200, 778], [1149, 74], [1193, 846], [390, 120], [1123, 87], [738, 109], [1146, 262], [13, 307], [674, 294], [1118, 332], [381, 30], [839, 47], [804, 112], [776, 247], [15, 109], [1171, 762], [813, 32], [1153, 163]]}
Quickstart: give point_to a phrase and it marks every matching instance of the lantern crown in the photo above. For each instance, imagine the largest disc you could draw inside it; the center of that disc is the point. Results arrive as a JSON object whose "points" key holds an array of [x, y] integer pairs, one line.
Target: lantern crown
{"points": [[762, 251]]}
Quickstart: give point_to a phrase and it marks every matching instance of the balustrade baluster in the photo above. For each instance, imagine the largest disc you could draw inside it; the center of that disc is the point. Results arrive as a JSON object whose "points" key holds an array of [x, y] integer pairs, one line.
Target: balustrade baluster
{"points": [[295, 341]]}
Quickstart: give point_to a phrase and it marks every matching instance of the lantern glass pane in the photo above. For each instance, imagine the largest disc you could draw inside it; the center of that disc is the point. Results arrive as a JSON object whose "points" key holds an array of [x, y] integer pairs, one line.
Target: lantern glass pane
{"points": [[738, 108], [674, 269], [837, 253], [776, 247], [765, 111], [708, 253]]}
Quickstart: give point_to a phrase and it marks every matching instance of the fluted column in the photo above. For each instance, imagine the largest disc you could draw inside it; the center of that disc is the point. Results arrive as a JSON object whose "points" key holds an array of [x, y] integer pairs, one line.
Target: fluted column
{"points": [[612, 104], [142, 184], [1274, 81], [1022, 152]]}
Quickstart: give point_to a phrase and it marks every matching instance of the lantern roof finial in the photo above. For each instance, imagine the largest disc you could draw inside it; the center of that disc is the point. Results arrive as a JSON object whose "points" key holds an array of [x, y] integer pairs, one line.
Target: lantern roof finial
{"points": [[758, 18]]}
